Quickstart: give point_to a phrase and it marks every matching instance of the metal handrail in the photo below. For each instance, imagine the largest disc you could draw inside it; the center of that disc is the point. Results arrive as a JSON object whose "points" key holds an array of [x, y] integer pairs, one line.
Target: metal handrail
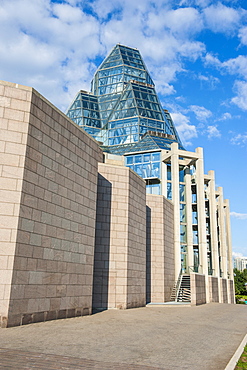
{"points": [[178, 284]]}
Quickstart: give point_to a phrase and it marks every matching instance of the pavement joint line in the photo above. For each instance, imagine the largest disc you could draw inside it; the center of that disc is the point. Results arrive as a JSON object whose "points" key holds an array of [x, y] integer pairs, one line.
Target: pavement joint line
{"points": [[233, 361]]}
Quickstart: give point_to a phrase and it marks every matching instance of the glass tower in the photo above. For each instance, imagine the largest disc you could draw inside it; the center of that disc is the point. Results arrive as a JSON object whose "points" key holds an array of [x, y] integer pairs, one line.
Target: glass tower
{"points": [[123, 111]]}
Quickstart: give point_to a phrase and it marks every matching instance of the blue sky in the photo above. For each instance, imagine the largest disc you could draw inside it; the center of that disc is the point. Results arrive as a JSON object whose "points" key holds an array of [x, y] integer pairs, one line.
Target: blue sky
{"points": [[195, 51]]}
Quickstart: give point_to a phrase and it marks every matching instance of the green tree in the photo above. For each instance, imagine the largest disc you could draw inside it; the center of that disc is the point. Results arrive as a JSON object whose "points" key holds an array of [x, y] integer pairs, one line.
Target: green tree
{"points": [[240, 278]]}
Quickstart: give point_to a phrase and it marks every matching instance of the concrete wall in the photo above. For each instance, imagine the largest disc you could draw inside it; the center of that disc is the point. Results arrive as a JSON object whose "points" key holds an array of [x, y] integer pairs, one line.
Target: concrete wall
{"points": [[224, 291], [48, 204], [231, 291], [160, 248], [120, 248], [213, 289], [198, 289], [15, 104]]}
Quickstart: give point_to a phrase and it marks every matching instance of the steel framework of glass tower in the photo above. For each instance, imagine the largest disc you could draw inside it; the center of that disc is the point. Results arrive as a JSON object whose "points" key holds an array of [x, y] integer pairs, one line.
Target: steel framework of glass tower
{"points": [[123, 110]]}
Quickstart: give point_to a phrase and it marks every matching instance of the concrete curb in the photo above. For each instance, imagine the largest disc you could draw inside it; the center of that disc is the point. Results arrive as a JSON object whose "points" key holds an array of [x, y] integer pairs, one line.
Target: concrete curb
{"points": [[233, 361]]}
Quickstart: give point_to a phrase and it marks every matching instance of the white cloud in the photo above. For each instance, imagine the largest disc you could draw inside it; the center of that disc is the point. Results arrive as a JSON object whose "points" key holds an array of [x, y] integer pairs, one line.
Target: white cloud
{"points": [[243, 35], [202, 114], [241, 98], [239, 139], [212, 60], [225, 116], [185, 130], [209, 81], [239, 216], [183, 21], [213, 131], [237, 254], [220, 18], [236, 65]]}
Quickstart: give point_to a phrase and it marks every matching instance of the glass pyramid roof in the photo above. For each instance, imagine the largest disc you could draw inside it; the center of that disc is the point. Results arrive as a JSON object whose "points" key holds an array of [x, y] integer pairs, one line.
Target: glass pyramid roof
{"points": [[123, 105]]}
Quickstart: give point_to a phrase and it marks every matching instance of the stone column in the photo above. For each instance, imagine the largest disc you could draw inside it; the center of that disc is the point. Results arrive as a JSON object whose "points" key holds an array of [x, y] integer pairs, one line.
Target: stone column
{"points": [[175, 199], [229, 238], [223, 246], [213, 224], [190, 255], [201, 217]]}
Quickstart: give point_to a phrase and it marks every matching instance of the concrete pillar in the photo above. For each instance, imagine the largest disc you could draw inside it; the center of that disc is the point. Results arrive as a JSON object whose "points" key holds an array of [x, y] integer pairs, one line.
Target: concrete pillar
{"points": [[175, 199], [213, 224], [190, 254], [223, 246], [229, 238], [201, 217]]}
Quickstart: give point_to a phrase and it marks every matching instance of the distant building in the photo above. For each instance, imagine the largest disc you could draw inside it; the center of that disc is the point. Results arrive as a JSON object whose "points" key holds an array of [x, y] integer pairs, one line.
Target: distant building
{"points": [[240, 263], [127, 219]]}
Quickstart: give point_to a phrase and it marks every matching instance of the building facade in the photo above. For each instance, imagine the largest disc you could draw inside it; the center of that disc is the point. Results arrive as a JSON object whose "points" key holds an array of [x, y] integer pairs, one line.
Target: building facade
{"points": [[240, 263], [108, 211]]}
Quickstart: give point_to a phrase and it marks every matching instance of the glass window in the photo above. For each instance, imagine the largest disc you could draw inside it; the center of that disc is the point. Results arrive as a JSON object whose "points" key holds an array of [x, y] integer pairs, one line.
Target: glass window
{"points": [[156, 157], [194, 218], [146, 157], [182, 213], [181, 174], [195, 236], [169, 190], [182, 192], [169, 172], [155, 170], [183, 236], [138, 169], [138, 158], [129, 160]]}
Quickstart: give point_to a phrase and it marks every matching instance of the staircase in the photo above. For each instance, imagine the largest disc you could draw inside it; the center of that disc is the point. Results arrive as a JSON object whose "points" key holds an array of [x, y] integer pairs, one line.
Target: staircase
{"points": [[184, 290], [181, 289]]}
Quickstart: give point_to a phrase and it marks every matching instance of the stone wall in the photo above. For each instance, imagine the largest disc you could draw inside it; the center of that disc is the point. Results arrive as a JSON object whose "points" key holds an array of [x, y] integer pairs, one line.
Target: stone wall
{"points": [[120, 248], [160, 248], [48, 201], [198, 289], [224, 291], [213, 286], [15, 105], [231, 291]]}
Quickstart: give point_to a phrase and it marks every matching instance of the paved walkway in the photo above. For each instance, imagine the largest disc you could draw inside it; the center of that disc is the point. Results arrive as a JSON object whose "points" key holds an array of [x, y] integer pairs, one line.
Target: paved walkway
{"points": [[195, 338]]}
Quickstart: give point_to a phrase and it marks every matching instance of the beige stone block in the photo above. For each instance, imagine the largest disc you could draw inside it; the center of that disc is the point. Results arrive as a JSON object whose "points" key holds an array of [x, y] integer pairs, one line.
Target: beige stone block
{"points": [[8, 183], [20, 105], [15, 148], [2, 287], [6, 209], [10, 159], [5, 276], [8, 222], [18, 92], [13, 114], [18, 126], [12, 172], [5, 101]]}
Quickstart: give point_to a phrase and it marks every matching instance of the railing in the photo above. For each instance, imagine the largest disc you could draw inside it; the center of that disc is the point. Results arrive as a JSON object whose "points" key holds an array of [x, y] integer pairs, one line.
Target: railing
{"points": [[197, 269], [176, 287]]}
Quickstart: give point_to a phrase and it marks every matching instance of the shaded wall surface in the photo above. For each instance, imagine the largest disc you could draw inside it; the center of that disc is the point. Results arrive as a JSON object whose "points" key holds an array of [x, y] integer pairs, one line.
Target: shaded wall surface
{"points": [[224, 291], [231, 291], [198, 289], [213, 285], [120, 249], [160, 248], [48, 169]]}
